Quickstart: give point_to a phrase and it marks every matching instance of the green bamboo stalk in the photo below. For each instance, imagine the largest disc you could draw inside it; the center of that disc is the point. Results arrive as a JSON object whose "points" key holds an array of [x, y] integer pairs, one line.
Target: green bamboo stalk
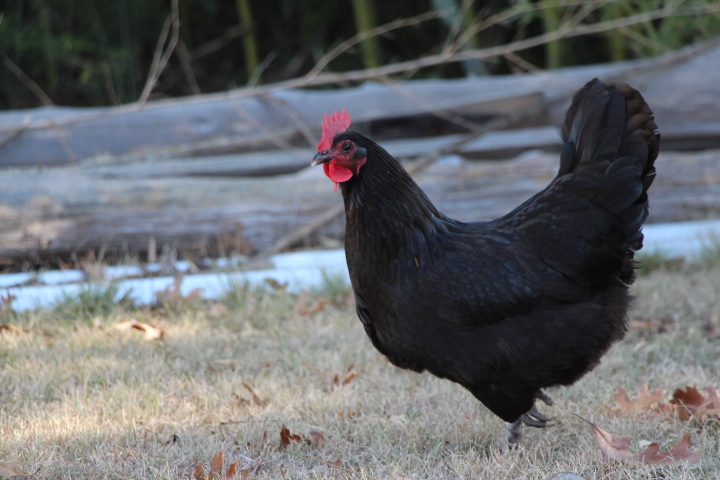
{"points": [[616, 41], [249, 39], [555, 52], [364, 21], [47, 43]]}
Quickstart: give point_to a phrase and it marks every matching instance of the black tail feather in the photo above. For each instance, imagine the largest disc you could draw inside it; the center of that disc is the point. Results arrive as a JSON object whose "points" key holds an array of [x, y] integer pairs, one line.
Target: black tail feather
{"points": [[611, 139]]}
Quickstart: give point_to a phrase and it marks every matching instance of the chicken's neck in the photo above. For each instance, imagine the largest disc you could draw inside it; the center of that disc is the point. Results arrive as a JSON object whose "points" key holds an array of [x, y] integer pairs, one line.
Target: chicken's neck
{"points": [[386, 210]]}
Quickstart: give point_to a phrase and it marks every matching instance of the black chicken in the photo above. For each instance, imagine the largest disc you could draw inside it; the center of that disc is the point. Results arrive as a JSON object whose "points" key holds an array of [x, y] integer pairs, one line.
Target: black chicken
{"points": [[507, 307]]}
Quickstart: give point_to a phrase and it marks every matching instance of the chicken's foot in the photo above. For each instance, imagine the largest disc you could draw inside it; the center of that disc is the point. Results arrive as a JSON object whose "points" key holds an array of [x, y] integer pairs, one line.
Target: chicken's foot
{"points": [[514, 432], [532, 418]]}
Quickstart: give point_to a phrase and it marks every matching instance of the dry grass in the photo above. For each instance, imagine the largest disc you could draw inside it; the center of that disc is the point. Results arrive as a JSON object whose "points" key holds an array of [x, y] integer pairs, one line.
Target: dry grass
{"points": [[79, 399]]}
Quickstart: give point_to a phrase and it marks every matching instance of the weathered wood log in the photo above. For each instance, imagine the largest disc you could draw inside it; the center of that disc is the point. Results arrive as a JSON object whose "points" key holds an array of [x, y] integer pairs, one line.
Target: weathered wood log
{"points": [[680, 86], [491, 146], [69, 210]]}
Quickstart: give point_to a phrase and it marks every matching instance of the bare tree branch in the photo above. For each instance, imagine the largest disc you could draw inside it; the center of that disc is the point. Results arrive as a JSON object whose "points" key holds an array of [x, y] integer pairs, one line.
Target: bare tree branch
{"points": [[27, 81], [163, 51], [255, 78], [373, 32], [186, 64]]}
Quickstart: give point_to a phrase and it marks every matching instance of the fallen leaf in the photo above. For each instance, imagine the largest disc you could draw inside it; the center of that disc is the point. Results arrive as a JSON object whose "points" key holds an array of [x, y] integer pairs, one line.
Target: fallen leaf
{"points": [[151, 333], [6, 301], [275, 285], [644, 401], [307, 307], [691, 403], [612, 446], [317, 439], [344, 379], [8, 470], [617, 447], [199, 473], [231, 471], [286, 437], [347, 414], [680, 453], [216, 465], [337, 464], [10, 328]]}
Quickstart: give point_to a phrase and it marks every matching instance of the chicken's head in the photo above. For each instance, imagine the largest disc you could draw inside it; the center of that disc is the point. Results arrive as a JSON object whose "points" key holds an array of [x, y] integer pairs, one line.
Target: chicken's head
{"points": [[340, 157]]}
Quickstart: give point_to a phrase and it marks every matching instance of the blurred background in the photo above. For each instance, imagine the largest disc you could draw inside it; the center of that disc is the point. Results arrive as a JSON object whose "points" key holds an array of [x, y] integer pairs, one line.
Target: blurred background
{"points": [[164, 135], [88, 53]]}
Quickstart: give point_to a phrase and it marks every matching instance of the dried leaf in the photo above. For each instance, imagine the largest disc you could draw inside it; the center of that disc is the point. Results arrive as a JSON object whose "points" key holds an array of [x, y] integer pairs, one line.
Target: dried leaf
{"points": [[691, 403], [231, 471], [349, 377], [245, 473], [286, 437], [275, 285], [199, 473], [10, 328], [150, 332], [216, 465], [347, 414], [337, 464], [344, 379], [644, 401], [612, 446], [8, 470], [317, 439], [308, 307], [680, 453], [616, 447], [255, 398]]}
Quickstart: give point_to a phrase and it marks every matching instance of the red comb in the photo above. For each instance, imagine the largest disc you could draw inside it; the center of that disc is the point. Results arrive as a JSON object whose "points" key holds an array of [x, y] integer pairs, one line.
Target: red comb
{"points": [[333, 125]]}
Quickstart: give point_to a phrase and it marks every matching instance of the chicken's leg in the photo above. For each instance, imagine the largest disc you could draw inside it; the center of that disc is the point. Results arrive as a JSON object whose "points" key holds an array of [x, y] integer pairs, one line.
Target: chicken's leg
{"points": [[532, 418]]}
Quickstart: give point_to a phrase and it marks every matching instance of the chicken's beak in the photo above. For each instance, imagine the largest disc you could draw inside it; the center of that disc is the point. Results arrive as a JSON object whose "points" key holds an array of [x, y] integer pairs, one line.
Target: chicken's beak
{"points": [[320, 158]]}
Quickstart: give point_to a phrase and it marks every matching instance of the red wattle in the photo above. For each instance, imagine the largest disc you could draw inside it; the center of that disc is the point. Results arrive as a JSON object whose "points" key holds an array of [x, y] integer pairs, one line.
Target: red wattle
{"points": [[337, 173]]}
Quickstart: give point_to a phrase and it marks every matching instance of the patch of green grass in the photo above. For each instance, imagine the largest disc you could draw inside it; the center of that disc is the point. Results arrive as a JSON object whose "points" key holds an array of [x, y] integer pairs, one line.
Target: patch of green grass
{"points": [[92, 301], [335, 289], [237, 294], [659, 260], [649, 262], [710, 256]]}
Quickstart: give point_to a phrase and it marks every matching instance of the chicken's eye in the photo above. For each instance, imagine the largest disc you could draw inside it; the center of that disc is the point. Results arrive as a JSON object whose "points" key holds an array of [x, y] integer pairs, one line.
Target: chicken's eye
{"points": [[347, 147]]}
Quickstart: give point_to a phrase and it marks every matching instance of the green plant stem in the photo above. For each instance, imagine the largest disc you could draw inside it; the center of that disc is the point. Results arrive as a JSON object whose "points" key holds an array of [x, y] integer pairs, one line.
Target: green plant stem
{"points": [[364, 21], [555, 50], [249, 38]]}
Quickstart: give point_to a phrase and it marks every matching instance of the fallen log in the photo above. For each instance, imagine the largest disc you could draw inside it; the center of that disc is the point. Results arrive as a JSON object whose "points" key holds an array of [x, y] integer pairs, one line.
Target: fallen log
{"points": [[680, 87], [64, 212]]}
